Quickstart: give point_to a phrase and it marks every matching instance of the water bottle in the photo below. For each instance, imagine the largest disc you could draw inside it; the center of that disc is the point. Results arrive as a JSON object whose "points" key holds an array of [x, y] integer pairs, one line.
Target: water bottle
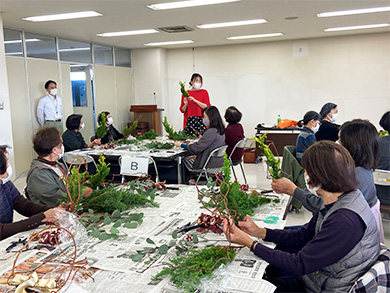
{"points": [[279, 118]]}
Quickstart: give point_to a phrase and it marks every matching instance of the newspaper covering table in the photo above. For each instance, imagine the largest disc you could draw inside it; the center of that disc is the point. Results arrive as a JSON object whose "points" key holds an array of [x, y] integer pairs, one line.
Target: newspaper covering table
{"points": [[111, 268]]}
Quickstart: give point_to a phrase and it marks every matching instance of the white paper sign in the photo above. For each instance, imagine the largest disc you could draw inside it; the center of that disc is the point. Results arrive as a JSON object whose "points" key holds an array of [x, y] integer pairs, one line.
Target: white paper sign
{"points": [[134, 166]]}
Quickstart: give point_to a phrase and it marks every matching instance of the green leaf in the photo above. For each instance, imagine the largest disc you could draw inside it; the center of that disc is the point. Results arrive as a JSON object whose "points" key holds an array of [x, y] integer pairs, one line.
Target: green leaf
{"points": [[95, 233], [134, 217], [95, 218], [117, 224], [116, 214], [104, 236], [137, 257], [172, 243], [107, 221], [174, 234], [131, 225], [195, 238], [114, 230], [163, 249], [114, 236], [90, 211], [150, 241]]}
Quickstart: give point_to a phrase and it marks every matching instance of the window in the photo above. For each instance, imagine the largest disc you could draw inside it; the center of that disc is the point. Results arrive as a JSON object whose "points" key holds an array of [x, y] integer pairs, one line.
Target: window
{"points": [[79, 88], [122, 57], [75, 51], [13, 43], [39, 46], [103, 55]]}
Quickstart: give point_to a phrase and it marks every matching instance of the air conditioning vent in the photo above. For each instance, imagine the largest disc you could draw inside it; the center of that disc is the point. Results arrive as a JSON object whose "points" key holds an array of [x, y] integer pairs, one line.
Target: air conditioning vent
{"points": [[176, 29]]}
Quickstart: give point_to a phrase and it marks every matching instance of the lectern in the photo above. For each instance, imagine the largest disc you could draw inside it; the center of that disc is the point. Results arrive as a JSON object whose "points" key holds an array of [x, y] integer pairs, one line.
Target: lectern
{"points": [[148, 113]]}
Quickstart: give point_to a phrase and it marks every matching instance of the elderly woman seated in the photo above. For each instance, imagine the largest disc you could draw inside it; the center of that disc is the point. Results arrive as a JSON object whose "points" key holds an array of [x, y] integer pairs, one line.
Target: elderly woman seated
{"points": [[45, 183], [72, 137], [337, 246], [11, 199]]}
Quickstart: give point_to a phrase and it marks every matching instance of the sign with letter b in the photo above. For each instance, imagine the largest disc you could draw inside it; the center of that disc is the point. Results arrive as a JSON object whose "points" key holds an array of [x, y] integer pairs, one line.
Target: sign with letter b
{"points": [[134, 166]]}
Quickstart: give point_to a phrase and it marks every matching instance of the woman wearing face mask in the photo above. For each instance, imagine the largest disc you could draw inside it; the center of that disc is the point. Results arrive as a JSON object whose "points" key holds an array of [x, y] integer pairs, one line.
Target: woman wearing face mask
{"points": [[306, 138], [193, 105], [72, 138], [44, 179], [213, 138], [11, 199], [328, 129], [337, 246], [361, 139], [112, 133]]}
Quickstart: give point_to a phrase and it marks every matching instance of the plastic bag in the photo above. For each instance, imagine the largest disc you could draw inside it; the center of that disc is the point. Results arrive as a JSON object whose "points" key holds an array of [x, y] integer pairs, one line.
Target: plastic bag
{"points": [[70, 222], [287, 123], [221, 281]]}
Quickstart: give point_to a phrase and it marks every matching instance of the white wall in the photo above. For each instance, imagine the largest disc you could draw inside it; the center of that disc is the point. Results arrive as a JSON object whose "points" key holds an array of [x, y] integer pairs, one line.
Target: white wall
{"points": [[5, 111], [265, 80], [150, 71]]}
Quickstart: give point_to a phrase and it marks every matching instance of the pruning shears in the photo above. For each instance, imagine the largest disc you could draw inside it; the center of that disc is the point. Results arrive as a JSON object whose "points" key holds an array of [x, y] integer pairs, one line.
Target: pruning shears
{"points": [[188, 227]]}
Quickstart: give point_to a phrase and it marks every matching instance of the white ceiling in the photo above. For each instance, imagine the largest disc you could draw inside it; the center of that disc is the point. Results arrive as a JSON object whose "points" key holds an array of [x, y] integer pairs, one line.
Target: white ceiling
{"points": [[124, 15]]}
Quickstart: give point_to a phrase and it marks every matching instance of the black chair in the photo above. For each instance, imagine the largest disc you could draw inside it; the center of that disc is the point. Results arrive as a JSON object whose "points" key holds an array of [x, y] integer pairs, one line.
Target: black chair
{"points": [[240, 144]]}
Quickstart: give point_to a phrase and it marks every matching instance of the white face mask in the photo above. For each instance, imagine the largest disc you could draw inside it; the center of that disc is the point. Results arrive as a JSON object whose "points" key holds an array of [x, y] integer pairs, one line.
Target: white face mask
{"points": [[82, 126], [315, 129], [197, 85], [334, 117], [206, 122], [110, 121], [312, 190], [53, 92], [61, 154], [9, 171]]}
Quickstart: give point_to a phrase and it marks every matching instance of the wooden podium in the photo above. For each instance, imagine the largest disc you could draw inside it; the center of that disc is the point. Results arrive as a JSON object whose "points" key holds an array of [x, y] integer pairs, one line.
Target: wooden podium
{"points": [[150, 114]]}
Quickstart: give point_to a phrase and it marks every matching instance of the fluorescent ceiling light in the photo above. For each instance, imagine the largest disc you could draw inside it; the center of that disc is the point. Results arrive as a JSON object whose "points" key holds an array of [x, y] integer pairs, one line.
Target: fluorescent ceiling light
{"points": [[128, 33], [74, 49], [185, 4], [19, 41], [255, 36], [354, 11], [14, 53], [357, 27], [170, 43], [232, 23], [62, 16]]}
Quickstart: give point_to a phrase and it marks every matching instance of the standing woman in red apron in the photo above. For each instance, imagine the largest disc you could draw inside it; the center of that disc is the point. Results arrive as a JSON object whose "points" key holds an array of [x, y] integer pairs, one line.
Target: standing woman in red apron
{"points": [[193, 105]]}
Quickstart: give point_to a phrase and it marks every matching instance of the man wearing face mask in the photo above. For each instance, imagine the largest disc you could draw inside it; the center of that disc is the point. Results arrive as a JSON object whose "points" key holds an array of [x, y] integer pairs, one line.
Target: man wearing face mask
{"points": [[49, 110], [193, 106], [112, 133], [44, 179], [328, 129]]}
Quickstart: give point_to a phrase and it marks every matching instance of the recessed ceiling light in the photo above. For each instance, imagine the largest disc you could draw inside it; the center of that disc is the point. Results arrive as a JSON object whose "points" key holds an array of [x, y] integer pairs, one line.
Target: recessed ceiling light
{"points": [[357, 27], [255, 36], [185, 4], [232, 23], [62, 16], [19, 41], [128, 33], [170, 43], [354, 11]]}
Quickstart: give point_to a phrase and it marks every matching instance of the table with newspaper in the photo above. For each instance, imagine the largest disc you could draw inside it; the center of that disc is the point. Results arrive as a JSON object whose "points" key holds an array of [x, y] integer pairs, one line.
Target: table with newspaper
{"points": [[139, 150], [111, 268]]}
